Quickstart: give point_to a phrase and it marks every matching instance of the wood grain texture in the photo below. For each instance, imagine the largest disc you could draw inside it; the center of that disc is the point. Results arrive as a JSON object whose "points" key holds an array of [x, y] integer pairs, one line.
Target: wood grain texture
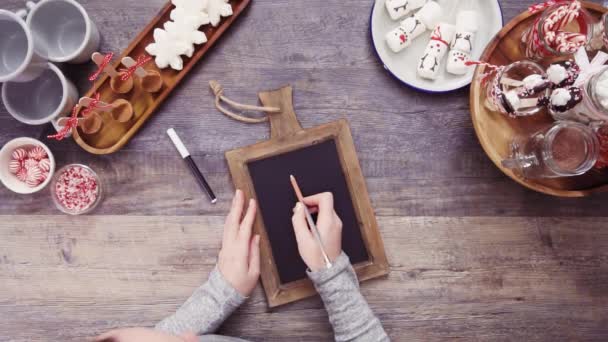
{"points": [[469, 278], [473, 255]]}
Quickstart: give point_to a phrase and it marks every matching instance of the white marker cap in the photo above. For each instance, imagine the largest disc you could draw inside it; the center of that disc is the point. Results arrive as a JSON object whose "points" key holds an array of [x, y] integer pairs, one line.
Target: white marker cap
{"points": [[178, 143]]}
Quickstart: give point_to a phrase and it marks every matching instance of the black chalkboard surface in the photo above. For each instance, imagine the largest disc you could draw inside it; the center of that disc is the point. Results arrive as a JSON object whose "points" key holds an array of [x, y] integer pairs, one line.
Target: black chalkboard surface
{"points": [[317, 169]]}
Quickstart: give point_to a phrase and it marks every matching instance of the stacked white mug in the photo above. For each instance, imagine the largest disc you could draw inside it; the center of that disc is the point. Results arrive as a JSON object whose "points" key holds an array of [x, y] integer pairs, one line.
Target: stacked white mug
{"points": [[35, 91]]}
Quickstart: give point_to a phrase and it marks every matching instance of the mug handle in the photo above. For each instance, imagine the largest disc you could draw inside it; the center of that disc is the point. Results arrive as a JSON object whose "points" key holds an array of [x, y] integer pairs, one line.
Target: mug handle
{"points": [[22, 13]]}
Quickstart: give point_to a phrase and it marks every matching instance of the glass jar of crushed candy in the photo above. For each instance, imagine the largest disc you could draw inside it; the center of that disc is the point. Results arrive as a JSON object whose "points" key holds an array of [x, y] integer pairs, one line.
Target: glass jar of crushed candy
{"points": [[76, 189], [517, 89], [560, 30]]}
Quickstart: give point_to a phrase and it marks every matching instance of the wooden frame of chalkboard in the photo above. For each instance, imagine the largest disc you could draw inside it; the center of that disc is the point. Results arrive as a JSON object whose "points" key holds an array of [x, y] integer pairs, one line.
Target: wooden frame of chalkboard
{"points": [[288, 136]]}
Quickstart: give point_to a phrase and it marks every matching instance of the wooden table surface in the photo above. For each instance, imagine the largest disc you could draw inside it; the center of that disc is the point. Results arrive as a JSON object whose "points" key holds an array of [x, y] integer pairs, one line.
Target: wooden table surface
{"points": [[473, 255]]}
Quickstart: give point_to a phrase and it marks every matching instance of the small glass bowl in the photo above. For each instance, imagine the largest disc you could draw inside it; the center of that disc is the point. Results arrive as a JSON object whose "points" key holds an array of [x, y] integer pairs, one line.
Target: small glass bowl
{"points": [[68, 211]]}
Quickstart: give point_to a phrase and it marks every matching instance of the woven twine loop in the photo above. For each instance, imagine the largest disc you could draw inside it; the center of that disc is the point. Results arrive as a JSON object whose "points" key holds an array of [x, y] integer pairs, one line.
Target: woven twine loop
{"points": [[218, 91]]}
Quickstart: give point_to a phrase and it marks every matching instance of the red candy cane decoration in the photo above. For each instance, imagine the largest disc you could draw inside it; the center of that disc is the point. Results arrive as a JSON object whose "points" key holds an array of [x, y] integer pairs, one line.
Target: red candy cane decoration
{"points": [[71, 123], [128, 73], [106, 60], [562, 42]]}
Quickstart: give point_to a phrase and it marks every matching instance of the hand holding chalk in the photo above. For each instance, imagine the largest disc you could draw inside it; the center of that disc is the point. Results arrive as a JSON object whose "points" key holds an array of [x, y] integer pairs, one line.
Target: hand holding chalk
{"points": [[239, 259], [329, 226]]}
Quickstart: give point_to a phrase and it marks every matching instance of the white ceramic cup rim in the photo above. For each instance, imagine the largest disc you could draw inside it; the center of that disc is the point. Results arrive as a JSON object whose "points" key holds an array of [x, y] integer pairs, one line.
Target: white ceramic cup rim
{"points": [[30, 46], [30, 141], [64, 98], [87, 21]]}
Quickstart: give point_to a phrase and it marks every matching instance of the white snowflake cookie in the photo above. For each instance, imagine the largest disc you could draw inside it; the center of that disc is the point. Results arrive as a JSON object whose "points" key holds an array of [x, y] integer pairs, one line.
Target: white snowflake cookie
{"points": [[183, 32], [167, 50], [216, 9]]}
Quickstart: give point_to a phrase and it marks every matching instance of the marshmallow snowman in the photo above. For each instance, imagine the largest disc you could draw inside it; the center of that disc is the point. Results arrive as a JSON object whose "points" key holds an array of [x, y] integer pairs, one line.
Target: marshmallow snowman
{"points": [[429, 64], [413, 26], [398, 9], [462, 45]]}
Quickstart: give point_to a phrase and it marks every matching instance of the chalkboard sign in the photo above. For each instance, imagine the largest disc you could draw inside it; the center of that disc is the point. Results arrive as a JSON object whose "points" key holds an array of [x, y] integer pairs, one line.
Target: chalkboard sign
{"points": [[322, 158], [317, 169]]}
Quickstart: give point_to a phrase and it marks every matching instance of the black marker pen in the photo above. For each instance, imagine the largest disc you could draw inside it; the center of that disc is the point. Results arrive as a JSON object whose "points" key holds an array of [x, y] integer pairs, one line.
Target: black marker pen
{"points": [[183, 151]]}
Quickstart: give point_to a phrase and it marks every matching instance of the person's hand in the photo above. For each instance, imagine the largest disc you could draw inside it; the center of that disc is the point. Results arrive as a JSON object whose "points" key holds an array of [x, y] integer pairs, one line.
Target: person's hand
{"points": [[239, 259], [329, 226]]}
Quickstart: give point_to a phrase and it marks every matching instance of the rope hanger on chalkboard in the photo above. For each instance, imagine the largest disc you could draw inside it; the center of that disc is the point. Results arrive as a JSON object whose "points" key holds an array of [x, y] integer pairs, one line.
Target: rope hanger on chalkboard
{"points": [[218, 91]]}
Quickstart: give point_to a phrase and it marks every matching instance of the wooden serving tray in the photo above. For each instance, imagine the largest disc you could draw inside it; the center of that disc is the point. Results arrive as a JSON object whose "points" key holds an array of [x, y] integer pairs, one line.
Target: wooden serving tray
{"points": [[495, 130], [114, 135]]}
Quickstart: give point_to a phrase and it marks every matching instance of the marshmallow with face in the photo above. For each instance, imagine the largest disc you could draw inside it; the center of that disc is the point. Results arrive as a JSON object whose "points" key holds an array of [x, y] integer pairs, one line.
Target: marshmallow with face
{"points": [[430, 62], [457, 62], [462, 45], [398, 9], [413, 26]]}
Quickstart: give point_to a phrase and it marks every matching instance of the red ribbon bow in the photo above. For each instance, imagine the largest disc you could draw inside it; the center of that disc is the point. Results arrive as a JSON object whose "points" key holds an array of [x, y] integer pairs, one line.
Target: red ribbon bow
{"points": [[69, 125], [106, 60], [127, 73]]}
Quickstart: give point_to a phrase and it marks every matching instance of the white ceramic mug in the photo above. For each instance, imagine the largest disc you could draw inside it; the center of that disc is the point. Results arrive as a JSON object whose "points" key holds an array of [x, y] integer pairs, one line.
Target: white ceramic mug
{"points": [[62, 31], [18, 60], [41, 100]]}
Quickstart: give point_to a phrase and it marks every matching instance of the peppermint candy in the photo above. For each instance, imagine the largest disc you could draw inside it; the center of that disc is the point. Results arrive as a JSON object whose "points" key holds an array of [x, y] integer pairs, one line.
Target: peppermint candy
{"points": [[34, 173], [14, 166], [45, 165], [30, 163], [22, 175], [19, 154], [37, 153]]}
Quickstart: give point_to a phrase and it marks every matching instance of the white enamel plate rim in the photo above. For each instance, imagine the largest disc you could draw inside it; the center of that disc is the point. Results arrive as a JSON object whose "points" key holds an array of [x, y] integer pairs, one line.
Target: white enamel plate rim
{"points": [[402, 65]]}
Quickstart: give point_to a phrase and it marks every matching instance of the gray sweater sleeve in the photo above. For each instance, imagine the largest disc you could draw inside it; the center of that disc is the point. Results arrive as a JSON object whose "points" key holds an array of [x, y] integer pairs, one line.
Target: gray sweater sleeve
{"points": [[206, 309], [349, 313]]}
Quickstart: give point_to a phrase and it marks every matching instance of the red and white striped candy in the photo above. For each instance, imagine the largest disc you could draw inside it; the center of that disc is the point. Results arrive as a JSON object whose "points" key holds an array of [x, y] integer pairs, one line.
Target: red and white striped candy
{"points": [[569, 42], [45, 165], [30, 163], [22, 175], [19, 154], [14, 166], [32, 182], [34, 173], [37, 153]]}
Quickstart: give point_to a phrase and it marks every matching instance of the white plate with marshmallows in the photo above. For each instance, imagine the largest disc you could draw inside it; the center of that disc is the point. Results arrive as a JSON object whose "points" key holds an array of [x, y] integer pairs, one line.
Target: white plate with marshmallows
{"points": [[426, 43]]}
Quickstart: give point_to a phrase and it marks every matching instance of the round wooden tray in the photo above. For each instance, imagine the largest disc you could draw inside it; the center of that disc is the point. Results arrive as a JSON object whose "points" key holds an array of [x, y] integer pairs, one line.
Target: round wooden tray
{"points": [[495, 130]]}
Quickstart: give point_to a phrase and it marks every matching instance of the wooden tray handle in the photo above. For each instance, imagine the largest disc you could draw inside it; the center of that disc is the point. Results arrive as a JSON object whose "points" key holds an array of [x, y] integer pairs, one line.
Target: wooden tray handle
{"points": [[285, 122]]}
